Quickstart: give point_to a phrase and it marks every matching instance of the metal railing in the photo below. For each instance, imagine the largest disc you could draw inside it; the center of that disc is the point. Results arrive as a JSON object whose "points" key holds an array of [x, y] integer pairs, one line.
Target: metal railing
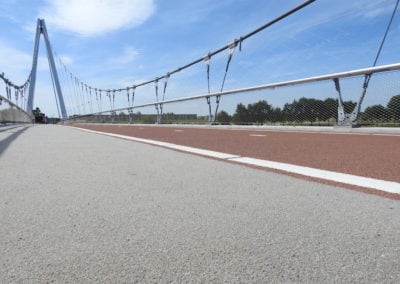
{"points": [[338, 94]]}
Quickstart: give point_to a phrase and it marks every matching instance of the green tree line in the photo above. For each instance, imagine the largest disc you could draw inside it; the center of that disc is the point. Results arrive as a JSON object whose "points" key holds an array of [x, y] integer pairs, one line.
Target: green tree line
{"points": [[308, 110]]}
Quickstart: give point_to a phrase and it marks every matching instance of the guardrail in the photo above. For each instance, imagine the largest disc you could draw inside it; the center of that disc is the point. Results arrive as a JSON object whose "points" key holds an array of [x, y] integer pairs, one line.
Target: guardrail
{"points": [[302, 112], [10, 113]]}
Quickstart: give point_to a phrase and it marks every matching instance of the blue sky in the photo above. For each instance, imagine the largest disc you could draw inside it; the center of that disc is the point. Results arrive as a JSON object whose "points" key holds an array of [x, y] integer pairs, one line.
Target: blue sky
{"points": [[119, 43]]}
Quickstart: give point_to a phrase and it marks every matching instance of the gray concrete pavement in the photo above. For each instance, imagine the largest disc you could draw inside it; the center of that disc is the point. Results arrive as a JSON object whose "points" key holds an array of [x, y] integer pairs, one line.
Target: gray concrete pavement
{"points": [[78, 207]]}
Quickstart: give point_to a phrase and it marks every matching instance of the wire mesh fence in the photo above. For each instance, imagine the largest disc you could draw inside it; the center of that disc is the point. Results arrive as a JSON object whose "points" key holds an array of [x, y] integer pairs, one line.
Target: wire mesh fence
{"points": [[196, 92], [311, 101]]}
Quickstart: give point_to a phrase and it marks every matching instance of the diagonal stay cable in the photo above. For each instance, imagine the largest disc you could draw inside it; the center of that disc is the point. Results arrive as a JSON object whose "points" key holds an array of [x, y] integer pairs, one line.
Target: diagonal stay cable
{"points": [[367, 77]]}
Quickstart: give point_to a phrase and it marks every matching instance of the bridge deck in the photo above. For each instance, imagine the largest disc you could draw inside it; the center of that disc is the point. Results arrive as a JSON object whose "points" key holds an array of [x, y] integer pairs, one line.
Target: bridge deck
{"points": [[80, 207]]}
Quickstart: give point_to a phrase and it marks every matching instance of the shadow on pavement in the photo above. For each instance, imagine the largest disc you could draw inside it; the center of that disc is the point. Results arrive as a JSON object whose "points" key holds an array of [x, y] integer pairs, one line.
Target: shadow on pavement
{"points": [[4, 128], [14, 133]]}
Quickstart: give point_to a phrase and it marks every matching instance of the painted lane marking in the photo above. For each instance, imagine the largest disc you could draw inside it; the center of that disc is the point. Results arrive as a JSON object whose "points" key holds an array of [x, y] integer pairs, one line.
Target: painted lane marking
{"points": [[257, 135], [382, 185], [383, 134], [178, 130], [300, 131]]}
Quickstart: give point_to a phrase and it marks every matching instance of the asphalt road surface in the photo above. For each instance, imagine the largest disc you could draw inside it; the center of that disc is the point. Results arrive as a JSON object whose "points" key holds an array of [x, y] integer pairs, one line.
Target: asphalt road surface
{"points": [[78, 207]]}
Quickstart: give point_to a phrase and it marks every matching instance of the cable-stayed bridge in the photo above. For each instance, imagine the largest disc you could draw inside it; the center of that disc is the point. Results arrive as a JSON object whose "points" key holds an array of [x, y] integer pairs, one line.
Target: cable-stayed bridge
{"points": [[348, 98], [165, 192]]}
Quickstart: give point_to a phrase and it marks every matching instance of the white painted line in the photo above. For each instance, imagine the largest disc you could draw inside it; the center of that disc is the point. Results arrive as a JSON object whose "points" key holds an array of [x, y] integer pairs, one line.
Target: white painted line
{"points": [[383, 134], [202, 152], [387, 186], [382, 185], [178, 130], [257, 135]]}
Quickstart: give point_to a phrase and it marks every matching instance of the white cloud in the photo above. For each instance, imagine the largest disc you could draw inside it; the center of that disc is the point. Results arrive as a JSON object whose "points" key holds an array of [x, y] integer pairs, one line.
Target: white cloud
{"points": [[94, 17]]}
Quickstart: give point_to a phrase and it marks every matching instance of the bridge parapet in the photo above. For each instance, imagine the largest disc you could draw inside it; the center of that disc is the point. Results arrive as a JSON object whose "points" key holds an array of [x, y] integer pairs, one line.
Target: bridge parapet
{"points": [[12, 113]]}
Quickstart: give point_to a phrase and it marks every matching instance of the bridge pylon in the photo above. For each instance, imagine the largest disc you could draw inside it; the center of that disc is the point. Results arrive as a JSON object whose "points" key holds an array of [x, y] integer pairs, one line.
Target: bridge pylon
{"points": [[41, 30]]}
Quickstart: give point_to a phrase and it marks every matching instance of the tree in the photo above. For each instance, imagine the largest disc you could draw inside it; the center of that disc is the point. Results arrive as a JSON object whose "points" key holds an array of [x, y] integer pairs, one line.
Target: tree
{"points": [[376, 112], [223, 117], [259, 111], [241, 115], [310, 109], [393, 108], [303, 110], [349, 106], [39, 116], [329, 109], [36, 111], [289, 111], [276, 115]]}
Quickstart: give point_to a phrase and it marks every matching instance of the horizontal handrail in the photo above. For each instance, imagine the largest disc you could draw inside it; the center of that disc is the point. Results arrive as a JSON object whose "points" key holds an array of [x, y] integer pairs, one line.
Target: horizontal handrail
{"points": [[352, 73]]}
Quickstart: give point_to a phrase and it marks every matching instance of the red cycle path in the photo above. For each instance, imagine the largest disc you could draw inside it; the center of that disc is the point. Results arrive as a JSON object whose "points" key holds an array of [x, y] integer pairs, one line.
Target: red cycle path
{"points": [[369, 155]]}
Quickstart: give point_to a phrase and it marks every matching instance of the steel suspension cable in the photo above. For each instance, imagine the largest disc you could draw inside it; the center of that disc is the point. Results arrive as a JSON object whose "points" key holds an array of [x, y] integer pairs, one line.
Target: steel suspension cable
{"points": [[101, 103], [90, 100], [76, 92], [54, 89], [70, 85], [367, 77], [164, 91], [66, 92], [386, 33]]}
